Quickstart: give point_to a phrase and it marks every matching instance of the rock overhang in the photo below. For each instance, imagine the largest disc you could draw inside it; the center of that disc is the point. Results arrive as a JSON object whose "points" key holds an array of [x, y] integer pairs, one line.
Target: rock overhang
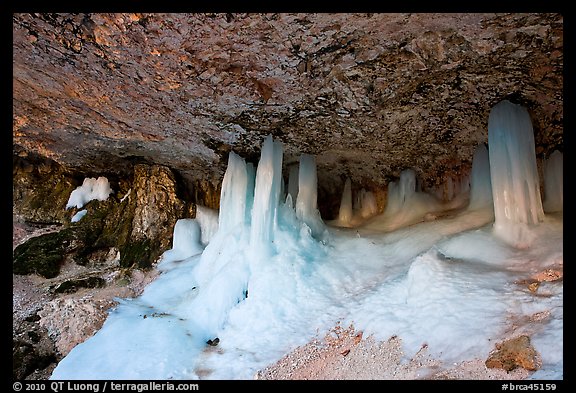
{"points": [[368, 94]]}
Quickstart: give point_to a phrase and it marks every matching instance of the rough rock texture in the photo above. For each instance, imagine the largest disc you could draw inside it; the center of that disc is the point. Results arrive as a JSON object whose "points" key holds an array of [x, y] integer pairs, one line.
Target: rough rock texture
{"points": [[32, 349], [67, 275], [137, 220], [72, 318], [513, 353], [43, 254], [157, 206], [368, 94], [152, 100], [344, 354], [40, 189], [52, 315]]}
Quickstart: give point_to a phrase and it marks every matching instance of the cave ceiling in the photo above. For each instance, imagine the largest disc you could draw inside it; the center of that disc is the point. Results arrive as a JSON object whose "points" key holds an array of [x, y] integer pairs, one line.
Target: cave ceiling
{"points": [[368, 94]]}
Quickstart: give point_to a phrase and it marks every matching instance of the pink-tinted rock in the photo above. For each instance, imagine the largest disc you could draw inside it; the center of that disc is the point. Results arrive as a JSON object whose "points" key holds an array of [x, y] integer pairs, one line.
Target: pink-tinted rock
{"points": [[368, 94], [513, 353]]}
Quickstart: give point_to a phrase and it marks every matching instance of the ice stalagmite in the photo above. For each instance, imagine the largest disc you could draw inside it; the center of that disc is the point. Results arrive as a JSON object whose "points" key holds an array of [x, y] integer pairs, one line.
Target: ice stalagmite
{"points": [[185, 242], [233, 194], [368, 206], [345, 213], [553, 183], [405, 205], [266, 192], [480, 184], [306, 202], [401, 192], [233, 218], [513, 173]]}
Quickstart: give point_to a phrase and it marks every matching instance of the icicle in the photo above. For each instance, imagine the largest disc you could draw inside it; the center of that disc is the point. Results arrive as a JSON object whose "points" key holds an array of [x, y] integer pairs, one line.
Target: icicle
{"points": [[345, 213], [449, 189], [266, 192], [251, 179], [368, 206], [233, 194], [513, 172], [357, 202], [407, 186], [306, 203], [400, 192]]}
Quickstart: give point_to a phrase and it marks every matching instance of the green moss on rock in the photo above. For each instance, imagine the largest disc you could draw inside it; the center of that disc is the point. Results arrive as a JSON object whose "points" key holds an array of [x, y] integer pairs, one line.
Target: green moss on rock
{"points": [[43, 254], [140, 253], [70, 286]]}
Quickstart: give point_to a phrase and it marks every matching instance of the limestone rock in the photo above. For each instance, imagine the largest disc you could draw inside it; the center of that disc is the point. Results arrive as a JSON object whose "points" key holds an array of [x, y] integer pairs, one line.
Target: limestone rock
{"points": [[513, 353], [138, 225], [32, 350], [70, 321], [157, 206], [40, 189], [369, 94], [43, 254]]}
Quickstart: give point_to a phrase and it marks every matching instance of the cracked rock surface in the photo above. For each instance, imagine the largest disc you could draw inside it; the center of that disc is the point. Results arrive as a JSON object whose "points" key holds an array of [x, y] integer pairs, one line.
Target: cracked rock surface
{"points": [[368, 94]]}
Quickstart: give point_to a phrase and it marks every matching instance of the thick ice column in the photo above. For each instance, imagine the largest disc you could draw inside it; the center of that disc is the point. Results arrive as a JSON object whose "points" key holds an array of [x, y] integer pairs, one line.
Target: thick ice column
{"points": [[513, 173], [306, 202], [266, 192], [480, 184], [554, 183], [345, 213], [233, 194]]}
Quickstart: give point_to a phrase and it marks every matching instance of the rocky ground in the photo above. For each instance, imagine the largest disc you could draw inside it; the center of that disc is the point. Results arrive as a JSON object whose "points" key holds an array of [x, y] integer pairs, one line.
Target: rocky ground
{"points": [[344, 354], [51, 316]]}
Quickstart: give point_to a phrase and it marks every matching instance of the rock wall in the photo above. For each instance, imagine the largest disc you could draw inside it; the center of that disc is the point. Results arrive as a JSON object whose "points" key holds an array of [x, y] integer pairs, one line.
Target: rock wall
{"points": [[137, 220], [368, 94], [66, 278]]}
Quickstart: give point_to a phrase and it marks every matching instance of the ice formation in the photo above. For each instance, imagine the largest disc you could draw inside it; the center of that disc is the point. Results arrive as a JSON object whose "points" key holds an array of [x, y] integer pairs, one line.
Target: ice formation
{"points": [[264, 285], [208, 221], [90, 189], [186, 242], [266, 193], [233, 194], [405, 205], [306, 202], [345, 212], [513, 173], [78, 216], [367, 205], [553, 183]]}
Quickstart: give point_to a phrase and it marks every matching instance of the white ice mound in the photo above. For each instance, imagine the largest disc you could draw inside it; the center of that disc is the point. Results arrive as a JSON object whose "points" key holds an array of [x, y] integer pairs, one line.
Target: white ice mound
{"points": [[185, 242], [90, 189]]}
